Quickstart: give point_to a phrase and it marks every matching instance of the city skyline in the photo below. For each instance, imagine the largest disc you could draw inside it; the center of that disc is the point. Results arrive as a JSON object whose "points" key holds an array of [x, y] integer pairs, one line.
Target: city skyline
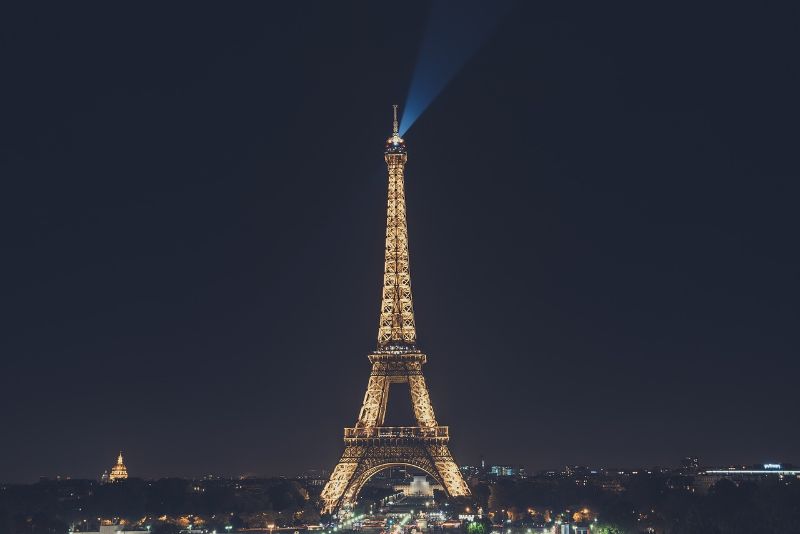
{"points": [[602, 237], [496, 467]]}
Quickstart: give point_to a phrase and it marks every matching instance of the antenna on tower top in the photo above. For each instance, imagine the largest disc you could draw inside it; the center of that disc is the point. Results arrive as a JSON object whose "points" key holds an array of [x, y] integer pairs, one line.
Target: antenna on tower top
{"points": [[394, 124]]}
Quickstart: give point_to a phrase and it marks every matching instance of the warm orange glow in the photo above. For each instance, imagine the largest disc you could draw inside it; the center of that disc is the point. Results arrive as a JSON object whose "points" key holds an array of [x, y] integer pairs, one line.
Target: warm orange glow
{"points": [[119, 471]]}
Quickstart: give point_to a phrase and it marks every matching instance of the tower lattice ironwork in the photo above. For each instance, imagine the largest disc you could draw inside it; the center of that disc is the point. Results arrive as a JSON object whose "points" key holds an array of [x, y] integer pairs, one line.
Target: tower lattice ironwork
{"points": [[370, 446]]}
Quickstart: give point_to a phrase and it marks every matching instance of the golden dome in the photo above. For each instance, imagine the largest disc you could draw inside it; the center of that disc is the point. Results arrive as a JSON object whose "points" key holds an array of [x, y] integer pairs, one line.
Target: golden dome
{"points": [[118, 472]]}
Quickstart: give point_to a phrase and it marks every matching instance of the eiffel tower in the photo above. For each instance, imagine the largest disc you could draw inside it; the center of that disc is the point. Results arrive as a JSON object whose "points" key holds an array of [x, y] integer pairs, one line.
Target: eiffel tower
{"points": [[370, 447]]}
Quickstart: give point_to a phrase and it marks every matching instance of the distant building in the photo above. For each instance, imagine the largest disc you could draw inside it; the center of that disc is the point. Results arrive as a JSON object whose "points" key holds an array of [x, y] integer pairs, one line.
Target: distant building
{"points": [[119, 471], [571, 528], [418, 487], [469, 471], [579, 471], [760, 474], [506, 471], [315, 477]]}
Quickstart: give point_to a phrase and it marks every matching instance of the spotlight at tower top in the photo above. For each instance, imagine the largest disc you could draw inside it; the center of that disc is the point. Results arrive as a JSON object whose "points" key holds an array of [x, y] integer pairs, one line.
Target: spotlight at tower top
{"points": [[395, 144]]}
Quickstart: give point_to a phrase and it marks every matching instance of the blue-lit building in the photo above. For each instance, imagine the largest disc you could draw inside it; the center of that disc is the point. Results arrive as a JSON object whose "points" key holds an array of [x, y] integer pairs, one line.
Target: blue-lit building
{"points": [[506, 471]]}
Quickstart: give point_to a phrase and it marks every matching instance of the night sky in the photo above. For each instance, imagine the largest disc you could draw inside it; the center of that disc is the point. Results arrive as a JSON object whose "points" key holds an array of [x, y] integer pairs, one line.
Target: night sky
{"points": [[603, 218]]}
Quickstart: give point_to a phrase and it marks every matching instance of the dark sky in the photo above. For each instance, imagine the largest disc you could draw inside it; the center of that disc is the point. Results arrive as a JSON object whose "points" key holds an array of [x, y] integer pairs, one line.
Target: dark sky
{"points": [[603, 212]]}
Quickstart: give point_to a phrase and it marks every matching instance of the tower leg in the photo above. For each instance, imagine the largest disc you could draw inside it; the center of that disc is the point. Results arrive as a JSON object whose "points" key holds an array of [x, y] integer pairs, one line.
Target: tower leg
{"points": [[359, 464], [423, 410], [373, 408], [341, 478], [448, 471]]}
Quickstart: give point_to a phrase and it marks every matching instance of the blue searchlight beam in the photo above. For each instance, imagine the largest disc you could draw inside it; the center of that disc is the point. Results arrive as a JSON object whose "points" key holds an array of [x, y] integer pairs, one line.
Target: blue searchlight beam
{"points": [[455, 31]]}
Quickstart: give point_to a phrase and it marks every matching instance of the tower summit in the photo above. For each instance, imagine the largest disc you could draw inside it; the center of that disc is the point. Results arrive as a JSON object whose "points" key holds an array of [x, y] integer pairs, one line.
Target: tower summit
{"points": [[395, 144], [396, 325], [371, 447]]}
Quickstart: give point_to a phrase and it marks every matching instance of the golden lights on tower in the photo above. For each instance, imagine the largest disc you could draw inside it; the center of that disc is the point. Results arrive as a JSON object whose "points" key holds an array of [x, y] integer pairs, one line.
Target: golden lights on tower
{"points": [[119, 471], [370, 446], [397, 310]]}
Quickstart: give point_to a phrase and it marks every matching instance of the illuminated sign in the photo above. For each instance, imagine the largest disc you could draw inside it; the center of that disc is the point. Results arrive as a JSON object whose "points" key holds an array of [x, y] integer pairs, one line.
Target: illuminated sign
{"points": [[772, 466]]}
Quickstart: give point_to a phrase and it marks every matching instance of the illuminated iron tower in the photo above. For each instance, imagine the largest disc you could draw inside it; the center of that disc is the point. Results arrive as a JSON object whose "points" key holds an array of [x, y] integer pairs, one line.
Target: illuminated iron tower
{"points": [[370, 447]]}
